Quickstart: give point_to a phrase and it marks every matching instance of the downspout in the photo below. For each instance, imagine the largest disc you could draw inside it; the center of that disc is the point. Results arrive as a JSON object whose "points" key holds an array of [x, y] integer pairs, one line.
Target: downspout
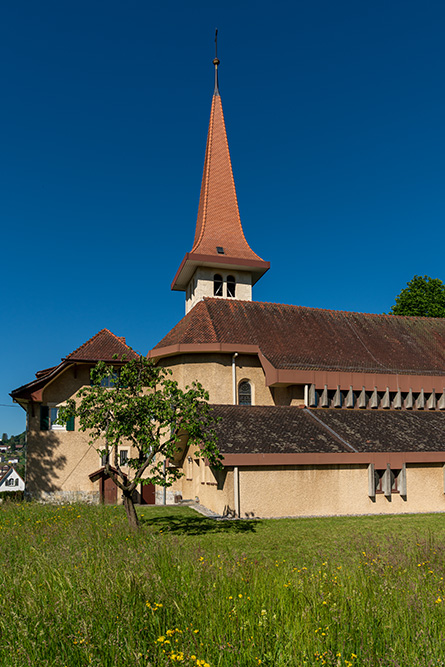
{"points": [[236, 500], [236, 497], [306, 395], [234, 356]]}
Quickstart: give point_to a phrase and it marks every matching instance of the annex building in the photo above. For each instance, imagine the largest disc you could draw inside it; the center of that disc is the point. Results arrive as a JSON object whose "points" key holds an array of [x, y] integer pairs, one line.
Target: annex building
{"points": [[321, 412]]}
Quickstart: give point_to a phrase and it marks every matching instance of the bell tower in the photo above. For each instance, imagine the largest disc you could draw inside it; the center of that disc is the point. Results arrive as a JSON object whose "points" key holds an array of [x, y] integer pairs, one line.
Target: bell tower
{"points": [[221, 263]]}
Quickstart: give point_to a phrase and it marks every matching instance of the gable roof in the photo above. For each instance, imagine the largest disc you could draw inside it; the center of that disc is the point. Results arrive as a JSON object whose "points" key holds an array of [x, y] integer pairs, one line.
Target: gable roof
{"points": [[6, 473], [101, 347], [296, 338]]}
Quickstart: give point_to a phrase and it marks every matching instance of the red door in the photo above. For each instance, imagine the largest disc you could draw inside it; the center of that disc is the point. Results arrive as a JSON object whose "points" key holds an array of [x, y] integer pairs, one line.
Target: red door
{"points": [[109, 491], [148, 494]]}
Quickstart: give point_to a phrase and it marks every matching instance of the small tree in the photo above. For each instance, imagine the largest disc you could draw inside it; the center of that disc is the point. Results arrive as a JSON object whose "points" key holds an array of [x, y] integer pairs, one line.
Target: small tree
{"points": [[142, 407], [423, 296]]}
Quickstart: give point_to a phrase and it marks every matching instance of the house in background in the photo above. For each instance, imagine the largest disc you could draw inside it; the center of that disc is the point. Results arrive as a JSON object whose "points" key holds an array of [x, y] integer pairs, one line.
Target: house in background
{"points": [[10, 480], [321, 412]]}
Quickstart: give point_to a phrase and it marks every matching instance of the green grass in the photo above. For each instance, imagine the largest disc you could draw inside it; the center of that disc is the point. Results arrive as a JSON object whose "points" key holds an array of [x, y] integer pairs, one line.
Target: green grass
{"points": [[78, 588]]}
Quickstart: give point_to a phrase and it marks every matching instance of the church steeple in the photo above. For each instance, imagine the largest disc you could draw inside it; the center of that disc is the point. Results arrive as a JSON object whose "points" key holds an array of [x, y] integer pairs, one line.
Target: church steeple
{"points": [[221, 262]]}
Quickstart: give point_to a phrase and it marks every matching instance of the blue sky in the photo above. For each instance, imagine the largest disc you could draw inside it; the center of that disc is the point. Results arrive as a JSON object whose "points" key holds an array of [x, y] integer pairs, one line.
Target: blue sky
{"points": [[335, 118]]}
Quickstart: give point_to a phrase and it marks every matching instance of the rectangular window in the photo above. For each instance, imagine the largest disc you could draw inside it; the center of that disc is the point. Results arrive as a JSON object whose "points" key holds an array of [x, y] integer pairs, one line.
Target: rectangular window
{"points": [[48, 416], [110, 381], [123, 457], [53, 414], [386, 481]]}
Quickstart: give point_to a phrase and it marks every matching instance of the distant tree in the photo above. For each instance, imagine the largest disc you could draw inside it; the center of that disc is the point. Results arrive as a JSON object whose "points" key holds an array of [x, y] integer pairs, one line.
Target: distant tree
{"points": [[142, 407], [4, 438], [423, 296]]}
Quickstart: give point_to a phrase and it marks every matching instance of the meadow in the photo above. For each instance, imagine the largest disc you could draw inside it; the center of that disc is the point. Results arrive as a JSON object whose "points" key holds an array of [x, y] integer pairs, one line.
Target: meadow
{"points": [[78, 589]]}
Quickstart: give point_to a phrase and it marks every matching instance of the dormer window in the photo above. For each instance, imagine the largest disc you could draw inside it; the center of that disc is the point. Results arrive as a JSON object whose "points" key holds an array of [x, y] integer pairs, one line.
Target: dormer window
{"points": [[220, 250], [217, 285], [231, 283]]}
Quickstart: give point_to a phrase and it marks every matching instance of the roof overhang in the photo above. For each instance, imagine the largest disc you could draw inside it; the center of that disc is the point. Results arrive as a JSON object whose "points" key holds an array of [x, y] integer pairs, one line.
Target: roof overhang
{"points": [[257, 267], [276, 377], [200, 348], [97, 474], [282, 377], [379, 459]]}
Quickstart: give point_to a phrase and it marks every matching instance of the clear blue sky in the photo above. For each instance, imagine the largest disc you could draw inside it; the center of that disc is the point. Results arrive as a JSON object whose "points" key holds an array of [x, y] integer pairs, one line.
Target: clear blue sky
{"points": [[335, 115]]}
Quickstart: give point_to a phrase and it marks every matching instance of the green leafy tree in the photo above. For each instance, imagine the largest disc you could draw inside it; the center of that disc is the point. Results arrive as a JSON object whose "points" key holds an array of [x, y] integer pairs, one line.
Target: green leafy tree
{"points": [[423, 296], [142, 407]]}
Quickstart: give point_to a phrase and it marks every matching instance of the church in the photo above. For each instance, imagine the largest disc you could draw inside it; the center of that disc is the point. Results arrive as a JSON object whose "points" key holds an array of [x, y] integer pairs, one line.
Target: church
{"points": [[321, 412]]}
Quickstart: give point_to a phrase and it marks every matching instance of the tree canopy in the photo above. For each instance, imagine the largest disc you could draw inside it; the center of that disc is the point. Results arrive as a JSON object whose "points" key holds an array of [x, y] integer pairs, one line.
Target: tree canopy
{"points": [[138, 405], [423, 296]]}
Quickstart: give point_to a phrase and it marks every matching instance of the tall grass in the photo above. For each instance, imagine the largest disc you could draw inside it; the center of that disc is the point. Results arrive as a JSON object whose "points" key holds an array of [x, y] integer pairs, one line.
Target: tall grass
{"points": [[77, 588]]}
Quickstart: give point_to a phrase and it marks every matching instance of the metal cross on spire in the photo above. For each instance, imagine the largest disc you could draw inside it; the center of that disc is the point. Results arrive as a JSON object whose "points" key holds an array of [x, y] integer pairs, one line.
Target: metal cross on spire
{"points": [[216, 63]]}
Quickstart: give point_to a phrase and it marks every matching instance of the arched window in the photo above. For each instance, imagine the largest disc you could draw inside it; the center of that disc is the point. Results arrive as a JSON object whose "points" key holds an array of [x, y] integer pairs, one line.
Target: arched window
{"points": [[244, 393], [231, 282], [217, 285]]}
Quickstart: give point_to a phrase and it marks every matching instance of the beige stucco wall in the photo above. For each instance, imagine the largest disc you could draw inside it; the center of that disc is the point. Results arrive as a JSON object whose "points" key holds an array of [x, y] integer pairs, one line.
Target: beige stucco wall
{"points": [[201, 285], [213, 489], [308, 490], [330, 490], [214, 372], [59, 462]]}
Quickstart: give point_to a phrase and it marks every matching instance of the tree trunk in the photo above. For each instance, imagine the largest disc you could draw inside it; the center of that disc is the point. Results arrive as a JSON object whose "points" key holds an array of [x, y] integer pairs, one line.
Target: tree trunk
{"points": [[130, 510]]}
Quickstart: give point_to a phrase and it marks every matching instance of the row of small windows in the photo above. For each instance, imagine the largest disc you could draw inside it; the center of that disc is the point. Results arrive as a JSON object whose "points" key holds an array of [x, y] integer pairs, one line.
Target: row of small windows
{"points": [[218, 286], [123, 458]]}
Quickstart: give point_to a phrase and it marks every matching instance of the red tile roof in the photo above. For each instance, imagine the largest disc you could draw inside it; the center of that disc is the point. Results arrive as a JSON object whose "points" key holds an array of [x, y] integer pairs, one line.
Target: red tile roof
{"points": [[271, 430], [387, 431], [218, 223], [290, 430], [103, 347], [296, 337]]}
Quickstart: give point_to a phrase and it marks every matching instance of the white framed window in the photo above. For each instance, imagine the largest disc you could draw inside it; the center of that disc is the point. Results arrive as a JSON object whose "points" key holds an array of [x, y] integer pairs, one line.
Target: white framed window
{"points": [[123, 457], [48, 416], [53, 415]]}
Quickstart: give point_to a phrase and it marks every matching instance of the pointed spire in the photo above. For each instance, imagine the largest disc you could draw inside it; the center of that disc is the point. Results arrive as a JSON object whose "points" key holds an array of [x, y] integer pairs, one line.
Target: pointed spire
{"points": [[218, 224], [219, 237]]}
